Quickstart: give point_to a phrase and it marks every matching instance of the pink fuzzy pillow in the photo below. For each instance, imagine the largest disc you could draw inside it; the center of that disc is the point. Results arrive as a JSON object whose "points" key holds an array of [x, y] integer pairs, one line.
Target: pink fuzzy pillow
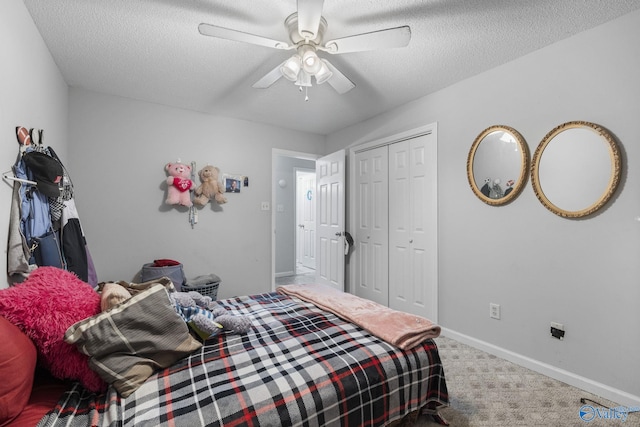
{"points": [[44, 306]]}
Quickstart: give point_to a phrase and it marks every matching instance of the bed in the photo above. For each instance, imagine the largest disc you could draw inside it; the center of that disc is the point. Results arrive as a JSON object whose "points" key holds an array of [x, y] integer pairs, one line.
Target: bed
{"points": [[298, 365]]}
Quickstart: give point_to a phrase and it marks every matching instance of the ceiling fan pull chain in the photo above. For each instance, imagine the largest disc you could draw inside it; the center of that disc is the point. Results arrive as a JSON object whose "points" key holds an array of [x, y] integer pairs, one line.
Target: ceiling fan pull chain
{"points": [[306, 93]]}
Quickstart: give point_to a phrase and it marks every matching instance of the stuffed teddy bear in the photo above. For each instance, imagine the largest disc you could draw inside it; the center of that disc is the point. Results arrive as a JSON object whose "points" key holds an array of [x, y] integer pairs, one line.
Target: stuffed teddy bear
{"points": [[112, 294], [179, 184], [206, 316], [210, 188]]}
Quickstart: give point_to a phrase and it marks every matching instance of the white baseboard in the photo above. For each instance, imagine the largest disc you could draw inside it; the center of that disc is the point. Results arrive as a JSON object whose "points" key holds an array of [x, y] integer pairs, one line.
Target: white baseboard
{"points": [[285, 274], [607, 392]]}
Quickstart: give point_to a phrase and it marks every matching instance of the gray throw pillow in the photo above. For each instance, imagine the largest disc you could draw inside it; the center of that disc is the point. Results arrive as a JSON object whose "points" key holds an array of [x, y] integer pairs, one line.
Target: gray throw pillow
{"points": [[130, 341]]}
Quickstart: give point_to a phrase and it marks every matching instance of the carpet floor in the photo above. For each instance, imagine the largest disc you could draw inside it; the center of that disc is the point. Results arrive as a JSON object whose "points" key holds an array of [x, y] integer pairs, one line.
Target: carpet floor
{"points": [[485, 390]]}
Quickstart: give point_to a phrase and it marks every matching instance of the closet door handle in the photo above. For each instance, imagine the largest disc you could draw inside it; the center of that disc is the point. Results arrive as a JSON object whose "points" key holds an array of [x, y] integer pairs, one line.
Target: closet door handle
{"points": [[411, 241]]}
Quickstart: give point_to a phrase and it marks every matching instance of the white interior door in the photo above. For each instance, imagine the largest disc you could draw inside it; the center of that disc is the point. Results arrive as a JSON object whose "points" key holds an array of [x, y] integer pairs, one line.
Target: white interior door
{"points": [[330, 219], [413, 226], [371, 225], [306, 218]]}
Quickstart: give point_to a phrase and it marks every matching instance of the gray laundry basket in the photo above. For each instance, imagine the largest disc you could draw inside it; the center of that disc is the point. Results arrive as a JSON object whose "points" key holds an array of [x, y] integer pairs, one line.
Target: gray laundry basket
{"points": [[174, 272], [206, 285]]}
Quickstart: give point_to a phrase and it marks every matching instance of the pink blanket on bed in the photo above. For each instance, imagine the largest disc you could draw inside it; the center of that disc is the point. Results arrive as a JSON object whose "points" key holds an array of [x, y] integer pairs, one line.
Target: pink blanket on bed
{"points": [[401, 329]]}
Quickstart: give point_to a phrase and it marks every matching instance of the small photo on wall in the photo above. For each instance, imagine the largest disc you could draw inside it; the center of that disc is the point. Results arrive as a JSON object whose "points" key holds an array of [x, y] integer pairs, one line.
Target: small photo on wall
{"points": [[232, 185]]}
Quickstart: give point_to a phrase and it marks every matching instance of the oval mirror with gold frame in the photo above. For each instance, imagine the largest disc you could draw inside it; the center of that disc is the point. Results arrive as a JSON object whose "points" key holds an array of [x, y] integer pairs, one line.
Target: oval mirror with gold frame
{"points": [[576, 169], [497, 166]]}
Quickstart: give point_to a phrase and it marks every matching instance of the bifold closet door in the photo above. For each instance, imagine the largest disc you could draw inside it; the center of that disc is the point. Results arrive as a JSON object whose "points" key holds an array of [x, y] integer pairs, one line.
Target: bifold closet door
{"points": [[371, 231], [412, 218]]}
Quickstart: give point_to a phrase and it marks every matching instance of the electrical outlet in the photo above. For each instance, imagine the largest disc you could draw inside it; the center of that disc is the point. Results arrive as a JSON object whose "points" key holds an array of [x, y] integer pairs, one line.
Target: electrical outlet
{"points": [[494, 311], [557, 325], [265, 206], [557, 330]]}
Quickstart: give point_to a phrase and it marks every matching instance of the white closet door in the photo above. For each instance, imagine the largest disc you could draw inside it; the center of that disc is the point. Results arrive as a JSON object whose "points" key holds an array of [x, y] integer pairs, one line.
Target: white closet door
{"points": [[371, 228], [413, 226]]}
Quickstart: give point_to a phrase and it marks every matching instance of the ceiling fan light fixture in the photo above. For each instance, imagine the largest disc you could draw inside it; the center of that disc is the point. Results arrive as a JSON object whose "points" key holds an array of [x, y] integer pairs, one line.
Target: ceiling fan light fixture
{"points": [[306, 28], [331, 47], [310, 61], [304, 79], [324, 73], [291, 68]]}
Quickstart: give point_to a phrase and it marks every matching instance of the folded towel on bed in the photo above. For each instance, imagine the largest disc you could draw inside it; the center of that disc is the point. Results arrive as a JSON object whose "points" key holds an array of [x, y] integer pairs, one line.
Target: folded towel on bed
{"points": [[398, 328]]}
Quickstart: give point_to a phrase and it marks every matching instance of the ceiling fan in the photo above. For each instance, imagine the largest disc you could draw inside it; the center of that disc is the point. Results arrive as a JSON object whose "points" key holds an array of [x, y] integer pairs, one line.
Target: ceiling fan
{"points": [[306, 29]]}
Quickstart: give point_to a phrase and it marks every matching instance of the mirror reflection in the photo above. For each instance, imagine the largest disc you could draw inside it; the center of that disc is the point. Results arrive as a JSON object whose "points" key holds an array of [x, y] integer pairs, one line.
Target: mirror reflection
{"points": [[576, 169], [497, 164]]}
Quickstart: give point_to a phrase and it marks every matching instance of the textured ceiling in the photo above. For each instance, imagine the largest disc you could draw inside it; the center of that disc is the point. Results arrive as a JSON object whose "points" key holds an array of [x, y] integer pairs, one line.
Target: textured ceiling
{"points": [[151, 50]]}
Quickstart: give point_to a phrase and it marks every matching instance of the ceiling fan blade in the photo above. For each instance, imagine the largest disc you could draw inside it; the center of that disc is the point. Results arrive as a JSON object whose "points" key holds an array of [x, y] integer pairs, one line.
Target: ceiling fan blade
{"points": [[391, 37], [235, 35], [339, 81], [268, 79], [309, 14]]}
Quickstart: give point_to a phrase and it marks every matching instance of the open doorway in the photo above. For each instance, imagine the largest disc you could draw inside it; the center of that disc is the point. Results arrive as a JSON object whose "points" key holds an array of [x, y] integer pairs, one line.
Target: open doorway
{"points": [[305, 221], [289, 262]]}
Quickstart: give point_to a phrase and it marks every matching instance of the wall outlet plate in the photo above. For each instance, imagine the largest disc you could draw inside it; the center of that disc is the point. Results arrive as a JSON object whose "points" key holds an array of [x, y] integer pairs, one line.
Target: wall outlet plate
{"points": [[494, 311], [557, 330], [557, 325]]}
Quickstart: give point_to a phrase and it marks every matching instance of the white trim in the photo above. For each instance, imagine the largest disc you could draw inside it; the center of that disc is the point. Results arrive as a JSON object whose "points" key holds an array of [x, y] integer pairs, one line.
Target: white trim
{"points": [[607, 392], [286, 274], [275, 152], [397, 137]]}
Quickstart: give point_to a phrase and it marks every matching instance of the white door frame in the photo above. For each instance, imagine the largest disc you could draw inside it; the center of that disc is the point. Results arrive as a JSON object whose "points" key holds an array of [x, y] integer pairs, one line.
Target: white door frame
{"points": [[275, 153], [431, 128]]}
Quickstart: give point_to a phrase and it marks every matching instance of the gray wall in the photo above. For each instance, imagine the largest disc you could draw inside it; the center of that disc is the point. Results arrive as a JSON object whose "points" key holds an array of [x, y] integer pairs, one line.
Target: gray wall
{"points": [[118, 151], [538, 266], [33, 94]]}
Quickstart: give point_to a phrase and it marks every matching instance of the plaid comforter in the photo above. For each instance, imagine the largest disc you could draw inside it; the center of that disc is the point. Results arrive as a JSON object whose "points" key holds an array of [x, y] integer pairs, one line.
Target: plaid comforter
{"points": [[298, 366]]}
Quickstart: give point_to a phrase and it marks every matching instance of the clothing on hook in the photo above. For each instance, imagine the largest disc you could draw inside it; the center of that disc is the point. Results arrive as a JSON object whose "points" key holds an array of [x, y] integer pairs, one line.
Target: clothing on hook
{"points": [[46, 171], [45, 227], [6, 175]]}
